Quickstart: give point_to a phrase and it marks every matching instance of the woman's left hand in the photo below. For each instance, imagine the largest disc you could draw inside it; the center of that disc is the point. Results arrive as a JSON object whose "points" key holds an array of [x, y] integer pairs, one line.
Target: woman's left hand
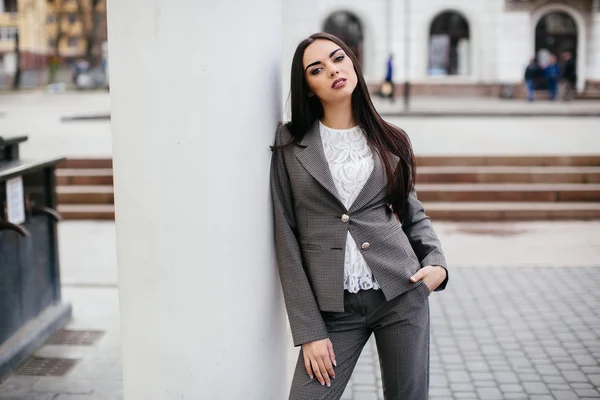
{"points": [[431, 275]]}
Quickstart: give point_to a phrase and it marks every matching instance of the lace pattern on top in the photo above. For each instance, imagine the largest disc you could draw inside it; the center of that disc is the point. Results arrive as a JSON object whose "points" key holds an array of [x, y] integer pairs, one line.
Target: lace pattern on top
{"points": [[351, 162]]}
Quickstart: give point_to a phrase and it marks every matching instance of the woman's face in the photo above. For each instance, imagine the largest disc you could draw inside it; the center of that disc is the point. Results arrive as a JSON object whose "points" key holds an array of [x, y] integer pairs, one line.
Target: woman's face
{"points": [[329, 71]]}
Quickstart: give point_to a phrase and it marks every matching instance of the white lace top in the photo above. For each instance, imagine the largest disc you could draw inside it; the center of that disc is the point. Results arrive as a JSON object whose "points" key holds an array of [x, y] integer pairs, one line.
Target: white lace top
{"points": [[351, 163]]}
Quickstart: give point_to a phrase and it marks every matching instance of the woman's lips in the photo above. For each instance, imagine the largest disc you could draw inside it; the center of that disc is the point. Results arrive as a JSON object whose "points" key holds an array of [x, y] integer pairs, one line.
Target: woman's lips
{"points": [[338, 83]]}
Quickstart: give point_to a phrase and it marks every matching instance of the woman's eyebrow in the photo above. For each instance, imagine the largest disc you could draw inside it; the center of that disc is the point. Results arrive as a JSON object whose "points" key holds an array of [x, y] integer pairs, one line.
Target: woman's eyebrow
{"points": [[319, 62]]}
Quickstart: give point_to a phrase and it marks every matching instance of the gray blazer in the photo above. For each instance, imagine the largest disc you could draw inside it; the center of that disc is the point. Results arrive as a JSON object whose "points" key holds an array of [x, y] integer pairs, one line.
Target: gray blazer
{"points": [[311, 225]]}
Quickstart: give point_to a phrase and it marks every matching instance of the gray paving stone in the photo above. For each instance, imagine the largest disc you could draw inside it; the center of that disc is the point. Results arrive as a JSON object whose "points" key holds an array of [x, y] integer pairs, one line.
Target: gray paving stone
{"points": [[587, 393], [558, 386], [567, 366], [511, 388], [506, 377], [595, 379], [458, 377], [465, 395], [443, 393], [364, 388], [482, 376], [485, 384], [462, 387], [575, 376], [489, 394], [515, 396], [582, 385], [438, 381], [365, 396], [530, 377], [585, 360], [547, 370], [535, 388], [362, 378], [552, 379], [565, 395]]}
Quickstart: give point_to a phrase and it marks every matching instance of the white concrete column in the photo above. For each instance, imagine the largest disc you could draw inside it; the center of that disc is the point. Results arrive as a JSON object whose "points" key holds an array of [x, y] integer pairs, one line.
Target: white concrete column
{"points": [[195, 101], [593, 68], [300, 20]]}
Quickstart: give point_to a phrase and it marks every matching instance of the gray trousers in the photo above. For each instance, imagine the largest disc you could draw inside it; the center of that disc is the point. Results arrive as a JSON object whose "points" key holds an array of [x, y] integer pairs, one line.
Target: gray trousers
{"points": [[401, 329]]}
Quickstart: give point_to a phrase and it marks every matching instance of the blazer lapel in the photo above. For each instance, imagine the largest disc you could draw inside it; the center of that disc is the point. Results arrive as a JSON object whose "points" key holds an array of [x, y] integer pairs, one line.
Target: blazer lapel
{"points": [[312, 158], [376, 182]]}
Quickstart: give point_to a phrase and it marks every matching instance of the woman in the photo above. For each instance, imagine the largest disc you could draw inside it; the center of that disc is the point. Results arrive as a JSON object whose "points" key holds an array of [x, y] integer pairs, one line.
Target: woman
{"points": [[356, 253]]}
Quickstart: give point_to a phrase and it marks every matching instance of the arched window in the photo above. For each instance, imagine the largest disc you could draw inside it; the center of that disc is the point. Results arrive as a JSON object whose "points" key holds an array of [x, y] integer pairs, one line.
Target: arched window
{"points": [[449, 45], [555, 33], [347, 27]]}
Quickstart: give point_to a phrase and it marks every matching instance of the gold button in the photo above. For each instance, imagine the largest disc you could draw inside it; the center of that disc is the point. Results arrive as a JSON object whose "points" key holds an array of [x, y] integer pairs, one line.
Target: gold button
{"points": [[345, 218], [366, 245]]}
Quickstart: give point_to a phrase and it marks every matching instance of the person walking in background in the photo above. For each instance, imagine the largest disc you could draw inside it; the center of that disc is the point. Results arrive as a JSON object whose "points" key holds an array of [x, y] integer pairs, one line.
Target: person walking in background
{"points": [[531, 73], [552, 74], [569, 77], [387, 88]]}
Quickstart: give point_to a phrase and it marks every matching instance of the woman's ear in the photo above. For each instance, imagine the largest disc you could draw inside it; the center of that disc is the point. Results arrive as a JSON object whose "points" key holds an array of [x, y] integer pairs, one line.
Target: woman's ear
{"points": [[310, 94]]}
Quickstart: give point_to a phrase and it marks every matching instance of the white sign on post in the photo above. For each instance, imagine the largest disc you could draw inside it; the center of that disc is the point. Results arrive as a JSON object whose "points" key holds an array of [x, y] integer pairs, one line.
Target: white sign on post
{"points": [[14, 200]]}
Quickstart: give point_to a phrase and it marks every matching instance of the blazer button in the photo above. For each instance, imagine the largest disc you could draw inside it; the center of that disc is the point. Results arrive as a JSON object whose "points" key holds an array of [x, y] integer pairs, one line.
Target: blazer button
{"points": [[345, 218], [366, 246]]}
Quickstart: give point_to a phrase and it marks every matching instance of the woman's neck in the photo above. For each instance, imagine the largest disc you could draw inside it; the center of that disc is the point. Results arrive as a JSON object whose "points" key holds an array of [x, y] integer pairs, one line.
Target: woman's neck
{"points": [[338, 116]]}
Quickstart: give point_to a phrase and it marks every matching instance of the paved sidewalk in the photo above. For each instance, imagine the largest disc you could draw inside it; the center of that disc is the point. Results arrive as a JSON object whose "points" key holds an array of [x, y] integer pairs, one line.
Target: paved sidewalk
{"points": [[519, 320]]}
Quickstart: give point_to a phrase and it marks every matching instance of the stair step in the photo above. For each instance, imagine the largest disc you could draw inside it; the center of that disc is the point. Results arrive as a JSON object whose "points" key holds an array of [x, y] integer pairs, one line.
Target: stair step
{"points": [[423, 160], [516, 160], [511, 211], [85, 194], [530, 192], [494, 174], [84, 176], [85, 163], [87, 211]]}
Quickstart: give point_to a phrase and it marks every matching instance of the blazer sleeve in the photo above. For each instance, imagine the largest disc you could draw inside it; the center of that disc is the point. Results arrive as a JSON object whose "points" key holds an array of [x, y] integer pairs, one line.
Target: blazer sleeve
{"points": [[303, 312], [417, 226]]}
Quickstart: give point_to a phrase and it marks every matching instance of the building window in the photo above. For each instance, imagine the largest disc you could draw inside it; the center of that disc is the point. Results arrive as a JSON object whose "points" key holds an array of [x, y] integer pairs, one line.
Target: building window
{"points": [[73, 42], [8, 33], [449, 45], [9, 5], [347, 27]]}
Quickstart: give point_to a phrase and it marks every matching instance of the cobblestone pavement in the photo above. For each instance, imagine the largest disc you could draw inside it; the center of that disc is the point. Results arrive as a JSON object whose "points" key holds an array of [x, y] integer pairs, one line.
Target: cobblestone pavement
{"points": [[500, 333], [497, 333]]}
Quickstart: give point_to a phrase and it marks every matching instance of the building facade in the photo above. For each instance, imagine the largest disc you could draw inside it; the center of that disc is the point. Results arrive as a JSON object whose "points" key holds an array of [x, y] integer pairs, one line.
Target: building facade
{"points": [[32, 31], [449, 46]]}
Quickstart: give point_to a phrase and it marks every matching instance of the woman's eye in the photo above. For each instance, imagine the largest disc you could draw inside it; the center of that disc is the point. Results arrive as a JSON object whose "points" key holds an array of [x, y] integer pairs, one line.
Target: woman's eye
{"points": [[315, 71], [339, 58]]}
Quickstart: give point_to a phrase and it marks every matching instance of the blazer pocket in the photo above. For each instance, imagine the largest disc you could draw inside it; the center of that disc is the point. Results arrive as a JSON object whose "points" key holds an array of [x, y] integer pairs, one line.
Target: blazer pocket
{"points": [[310, 247]]}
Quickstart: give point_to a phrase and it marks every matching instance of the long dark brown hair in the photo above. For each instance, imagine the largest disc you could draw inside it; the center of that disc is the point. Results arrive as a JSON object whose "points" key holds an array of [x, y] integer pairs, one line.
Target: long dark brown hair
{"points": [[383, 137]]}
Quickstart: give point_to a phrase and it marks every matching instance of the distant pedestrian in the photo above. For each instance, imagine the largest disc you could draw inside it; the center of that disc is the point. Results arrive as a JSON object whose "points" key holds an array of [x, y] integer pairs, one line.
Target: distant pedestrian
{"points": [[569, 77], [388, 88], [552, 74], [531, 74]]}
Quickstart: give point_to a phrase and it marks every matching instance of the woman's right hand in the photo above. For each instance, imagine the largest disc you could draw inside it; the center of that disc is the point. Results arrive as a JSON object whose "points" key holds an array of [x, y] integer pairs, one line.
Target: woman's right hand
{"points": [[319, 360]]}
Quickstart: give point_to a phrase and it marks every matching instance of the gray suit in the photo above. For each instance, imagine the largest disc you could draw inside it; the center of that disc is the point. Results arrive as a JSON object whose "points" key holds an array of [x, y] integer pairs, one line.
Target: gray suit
{"points": [[311, 226]]}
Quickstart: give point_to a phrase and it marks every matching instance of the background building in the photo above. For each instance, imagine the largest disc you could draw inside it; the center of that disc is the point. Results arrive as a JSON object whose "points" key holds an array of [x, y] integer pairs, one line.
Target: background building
{"points": [[45, 37], [468, 47]]}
